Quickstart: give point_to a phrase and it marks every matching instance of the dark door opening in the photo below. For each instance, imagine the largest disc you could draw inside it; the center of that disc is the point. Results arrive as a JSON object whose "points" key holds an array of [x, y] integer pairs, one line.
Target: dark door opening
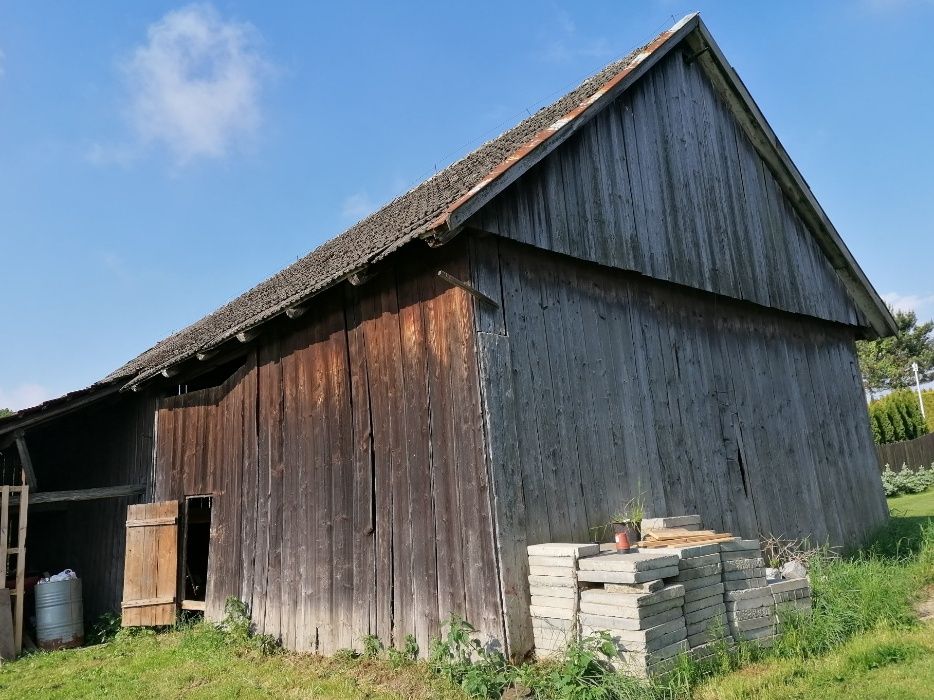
{"points": [[197, 544]]}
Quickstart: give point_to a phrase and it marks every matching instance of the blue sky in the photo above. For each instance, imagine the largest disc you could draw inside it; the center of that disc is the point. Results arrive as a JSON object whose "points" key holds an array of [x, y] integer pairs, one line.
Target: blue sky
{"points": [[158, 159]]}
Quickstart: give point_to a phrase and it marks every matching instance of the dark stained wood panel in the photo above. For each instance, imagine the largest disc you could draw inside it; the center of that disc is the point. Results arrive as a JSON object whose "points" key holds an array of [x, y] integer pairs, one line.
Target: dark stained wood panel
{"points": [[665, 183], [346, 460], [105, 444], [606, 384]]}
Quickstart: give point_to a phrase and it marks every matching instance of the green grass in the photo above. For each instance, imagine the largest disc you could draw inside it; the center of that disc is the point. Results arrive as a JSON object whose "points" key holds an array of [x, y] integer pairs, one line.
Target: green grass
{"points": [[887, 664], [918, 505], [863, 640], [202, 662]]}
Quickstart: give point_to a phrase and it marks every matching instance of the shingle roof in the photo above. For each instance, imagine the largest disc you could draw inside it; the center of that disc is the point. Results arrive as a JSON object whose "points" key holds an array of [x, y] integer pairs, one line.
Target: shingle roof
{"points": [[407, 217]]}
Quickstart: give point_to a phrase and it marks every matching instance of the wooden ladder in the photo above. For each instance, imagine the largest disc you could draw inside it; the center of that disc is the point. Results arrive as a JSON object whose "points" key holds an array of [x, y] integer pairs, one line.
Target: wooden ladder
{"points": [[19, 550]]}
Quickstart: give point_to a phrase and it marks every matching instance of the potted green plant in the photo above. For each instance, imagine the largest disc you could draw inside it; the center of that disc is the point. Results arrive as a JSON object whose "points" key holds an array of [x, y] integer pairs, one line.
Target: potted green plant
{"points": [[629, 520]]}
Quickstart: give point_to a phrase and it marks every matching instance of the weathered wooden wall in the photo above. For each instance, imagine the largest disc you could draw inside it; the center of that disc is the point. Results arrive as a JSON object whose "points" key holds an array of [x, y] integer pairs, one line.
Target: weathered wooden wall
{"points": [[347, 466], [665, 182], [109, 444], [600, 384]]}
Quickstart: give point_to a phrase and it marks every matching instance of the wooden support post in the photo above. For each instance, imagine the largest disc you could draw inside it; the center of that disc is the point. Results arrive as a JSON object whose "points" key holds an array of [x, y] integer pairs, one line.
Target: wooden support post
{"points": [[20, 568], [4, 533], [26, 460]]}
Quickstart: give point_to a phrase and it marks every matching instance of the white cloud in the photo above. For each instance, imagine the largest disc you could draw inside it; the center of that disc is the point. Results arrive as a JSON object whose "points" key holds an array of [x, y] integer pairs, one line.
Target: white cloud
{"points": [[921, 304], [23, 396], [357, 206], [194, 85], [564, 43]]}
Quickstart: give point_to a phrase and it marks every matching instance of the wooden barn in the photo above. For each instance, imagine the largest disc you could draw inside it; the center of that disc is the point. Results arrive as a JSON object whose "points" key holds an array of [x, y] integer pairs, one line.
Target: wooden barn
{"points": [[633, 290]]}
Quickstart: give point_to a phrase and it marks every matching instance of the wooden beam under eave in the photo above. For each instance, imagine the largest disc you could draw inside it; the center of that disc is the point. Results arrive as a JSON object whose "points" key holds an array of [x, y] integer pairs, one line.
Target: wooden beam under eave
{"points": [[296, 311], [82, 494], [26, 461], [247, 336]]}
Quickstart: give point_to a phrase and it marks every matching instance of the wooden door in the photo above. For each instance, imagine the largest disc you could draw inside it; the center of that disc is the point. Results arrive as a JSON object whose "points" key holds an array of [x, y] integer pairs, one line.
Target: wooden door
{"points": [[150, 579]]}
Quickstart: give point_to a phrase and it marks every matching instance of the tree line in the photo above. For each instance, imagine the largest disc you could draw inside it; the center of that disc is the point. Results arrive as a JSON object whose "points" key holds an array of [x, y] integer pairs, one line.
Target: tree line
{"points": [[888, 379]]}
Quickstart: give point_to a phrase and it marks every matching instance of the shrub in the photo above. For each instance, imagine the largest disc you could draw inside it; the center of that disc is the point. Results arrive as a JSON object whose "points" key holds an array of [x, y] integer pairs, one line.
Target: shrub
{"points": [[907, 481]]}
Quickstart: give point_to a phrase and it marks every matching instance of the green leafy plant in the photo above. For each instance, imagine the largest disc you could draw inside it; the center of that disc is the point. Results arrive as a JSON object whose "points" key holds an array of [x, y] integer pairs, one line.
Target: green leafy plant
{"points": [[460, 658], [105, 628], [408, 654], [238, 629], [372, 646]]}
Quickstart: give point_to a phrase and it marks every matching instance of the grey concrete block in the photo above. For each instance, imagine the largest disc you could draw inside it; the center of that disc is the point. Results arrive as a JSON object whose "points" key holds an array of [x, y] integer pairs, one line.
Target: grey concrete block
{"points": [[561, 571], [594, 623], [635, 562], [696, 583], [626, 576], [562, 549], [757, 593], [702, 560], [715, 589], [554, 602], [698, 572], [692, 550], [740, 546], [550, 623], [743, 584], [555, 613], [793, 584], [744, 564], [565, 562], [638, 588], [701, 603], [704, 614], [553, 581], [634, 613], [628, 646], [632, 600], [609, 622], [553, 591], [744, 575], [751, 614], [671, 521]]}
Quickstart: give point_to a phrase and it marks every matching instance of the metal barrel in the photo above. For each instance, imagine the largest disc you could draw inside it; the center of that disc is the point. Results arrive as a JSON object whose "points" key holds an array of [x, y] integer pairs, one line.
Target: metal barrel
{"points": [[59, 614]]}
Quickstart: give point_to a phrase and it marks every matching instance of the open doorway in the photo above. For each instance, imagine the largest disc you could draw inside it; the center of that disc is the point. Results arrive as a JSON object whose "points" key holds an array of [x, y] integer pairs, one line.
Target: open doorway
{"points": [[196, 548]]}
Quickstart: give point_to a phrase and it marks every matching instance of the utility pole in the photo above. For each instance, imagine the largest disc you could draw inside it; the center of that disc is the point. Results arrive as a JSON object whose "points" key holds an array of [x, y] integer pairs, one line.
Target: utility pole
{"points": [[914, 368]]}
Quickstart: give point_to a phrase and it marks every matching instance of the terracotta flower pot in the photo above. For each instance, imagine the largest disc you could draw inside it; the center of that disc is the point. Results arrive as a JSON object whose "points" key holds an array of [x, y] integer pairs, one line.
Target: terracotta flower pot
{"points": [[631, 530]]}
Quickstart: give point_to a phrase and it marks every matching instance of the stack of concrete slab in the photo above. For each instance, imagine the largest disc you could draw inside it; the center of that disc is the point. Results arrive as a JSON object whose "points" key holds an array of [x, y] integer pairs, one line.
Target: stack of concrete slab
{"points": [[791, 594], [751, 615], [643, 616], [672, 522], [699, 571], [647, 627], [750, 610], [742, 565], [553, 588]]}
